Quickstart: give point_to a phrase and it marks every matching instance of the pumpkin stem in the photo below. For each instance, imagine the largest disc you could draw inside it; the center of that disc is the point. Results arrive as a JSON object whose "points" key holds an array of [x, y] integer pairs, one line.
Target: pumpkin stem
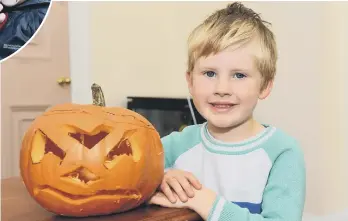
{"points": [[98, 96]]}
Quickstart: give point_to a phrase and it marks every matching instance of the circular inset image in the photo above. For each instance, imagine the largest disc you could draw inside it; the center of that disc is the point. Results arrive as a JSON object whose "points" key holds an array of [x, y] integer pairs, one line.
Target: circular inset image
{"points": [[19, 22]]}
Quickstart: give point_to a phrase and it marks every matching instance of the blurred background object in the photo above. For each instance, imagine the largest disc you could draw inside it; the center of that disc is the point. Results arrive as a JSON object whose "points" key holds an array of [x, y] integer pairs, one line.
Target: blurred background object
{"points": [[22, 19]]}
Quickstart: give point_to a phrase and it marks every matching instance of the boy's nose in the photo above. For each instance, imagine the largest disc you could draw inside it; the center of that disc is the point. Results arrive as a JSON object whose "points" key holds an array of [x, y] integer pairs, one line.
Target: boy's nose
{"points": [[222, 88]]}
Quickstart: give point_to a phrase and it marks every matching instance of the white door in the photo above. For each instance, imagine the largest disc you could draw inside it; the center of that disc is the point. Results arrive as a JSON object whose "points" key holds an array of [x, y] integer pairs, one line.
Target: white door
{"points": [[29, 83]]}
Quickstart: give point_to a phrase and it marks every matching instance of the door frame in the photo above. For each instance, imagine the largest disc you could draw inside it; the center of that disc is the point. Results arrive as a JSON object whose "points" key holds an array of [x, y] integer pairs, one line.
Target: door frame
{"points": [[80, 52]]}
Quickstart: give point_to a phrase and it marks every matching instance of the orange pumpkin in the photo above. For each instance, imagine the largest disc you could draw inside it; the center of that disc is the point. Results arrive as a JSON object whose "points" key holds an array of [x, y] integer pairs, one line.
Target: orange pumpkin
{"points": [[85, 160]]}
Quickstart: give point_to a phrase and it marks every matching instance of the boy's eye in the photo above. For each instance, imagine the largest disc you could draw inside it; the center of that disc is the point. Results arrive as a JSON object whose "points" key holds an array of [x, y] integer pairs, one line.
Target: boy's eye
{"points": [[239, 75], [210, 74]]}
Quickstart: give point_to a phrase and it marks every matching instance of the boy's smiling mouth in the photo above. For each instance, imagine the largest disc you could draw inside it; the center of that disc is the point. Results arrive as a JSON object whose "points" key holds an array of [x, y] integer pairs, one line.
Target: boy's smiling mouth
{"points": [[222, 106]]}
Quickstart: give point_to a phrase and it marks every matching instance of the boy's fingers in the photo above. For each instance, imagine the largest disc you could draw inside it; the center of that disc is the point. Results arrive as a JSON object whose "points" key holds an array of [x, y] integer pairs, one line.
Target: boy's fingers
{"points": [[193, 180], [185, 184], [174, 183], [2, 17], [157, 199], [168, 192]]}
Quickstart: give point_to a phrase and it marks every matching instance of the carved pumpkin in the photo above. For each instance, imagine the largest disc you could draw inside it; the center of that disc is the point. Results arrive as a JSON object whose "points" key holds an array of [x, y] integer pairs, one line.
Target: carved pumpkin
{"points": [[84, 160]]}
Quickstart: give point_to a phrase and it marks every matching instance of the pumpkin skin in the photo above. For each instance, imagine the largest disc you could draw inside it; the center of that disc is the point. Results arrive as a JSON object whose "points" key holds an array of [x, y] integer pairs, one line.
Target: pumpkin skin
{"points": [[115, 166]]}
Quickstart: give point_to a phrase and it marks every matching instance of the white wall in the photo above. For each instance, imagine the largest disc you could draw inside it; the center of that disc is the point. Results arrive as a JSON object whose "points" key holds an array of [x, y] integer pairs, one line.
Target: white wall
{"points": [[339, 37], [139, 49]]}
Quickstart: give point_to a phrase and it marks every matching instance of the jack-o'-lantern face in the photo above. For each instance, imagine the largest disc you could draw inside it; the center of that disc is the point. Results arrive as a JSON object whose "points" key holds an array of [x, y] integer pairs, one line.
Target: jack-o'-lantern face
{"points": [[82, 160]]}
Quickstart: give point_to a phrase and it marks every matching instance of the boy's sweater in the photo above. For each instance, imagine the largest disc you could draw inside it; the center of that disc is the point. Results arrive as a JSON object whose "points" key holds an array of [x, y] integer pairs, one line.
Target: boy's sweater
{"points": [[260, 179]]}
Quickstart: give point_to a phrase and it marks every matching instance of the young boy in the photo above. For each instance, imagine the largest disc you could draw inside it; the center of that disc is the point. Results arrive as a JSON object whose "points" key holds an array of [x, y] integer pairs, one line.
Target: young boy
{"points": [[232, 168]]}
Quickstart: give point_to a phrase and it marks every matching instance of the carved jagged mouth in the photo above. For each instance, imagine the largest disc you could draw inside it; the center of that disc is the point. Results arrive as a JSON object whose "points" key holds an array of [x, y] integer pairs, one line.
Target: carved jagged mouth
{"points": [[133, 194], [82, 175]]}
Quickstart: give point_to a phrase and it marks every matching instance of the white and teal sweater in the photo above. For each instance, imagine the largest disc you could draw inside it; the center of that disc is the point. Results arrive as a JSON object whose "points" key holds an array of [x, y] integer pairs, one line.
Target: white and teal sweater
{"points": [[260, 179]]}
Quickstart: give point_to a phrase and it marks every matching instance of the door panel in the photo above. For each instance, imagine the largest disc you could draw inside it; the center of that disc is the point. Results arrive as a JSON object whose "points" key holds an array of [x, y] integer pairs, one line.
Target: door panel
{"points": [[29, 83]]}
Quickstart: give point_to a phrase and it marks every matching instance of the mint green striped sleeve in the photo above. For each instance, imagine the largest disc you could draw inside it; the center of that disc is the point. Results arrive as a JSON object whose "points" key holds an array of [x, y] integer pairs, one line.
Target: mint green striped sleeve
{"points": [[177, 143], [283, 198], [169, 142]]}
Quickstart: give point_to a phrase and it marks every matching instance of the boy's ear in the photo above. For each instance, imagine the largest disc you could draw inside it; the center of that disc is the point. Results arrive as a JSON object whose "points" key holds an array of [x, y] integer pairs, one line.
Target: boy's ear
{"points": [[189, 81], [266, 91]]}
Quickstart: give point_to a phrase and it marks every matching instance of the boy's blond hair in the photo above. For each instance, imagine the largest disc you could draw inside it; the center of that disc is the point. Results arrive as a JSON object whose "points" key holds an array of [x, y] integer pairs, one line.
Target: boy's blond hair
{"points": [[234, 25]]}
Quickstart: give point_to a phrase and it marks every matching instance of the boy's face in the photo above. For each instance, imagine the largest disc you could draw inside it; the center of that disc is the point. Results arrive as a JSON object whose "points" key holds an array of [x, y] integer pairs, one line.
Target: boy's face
{"points": [[226, 87]]}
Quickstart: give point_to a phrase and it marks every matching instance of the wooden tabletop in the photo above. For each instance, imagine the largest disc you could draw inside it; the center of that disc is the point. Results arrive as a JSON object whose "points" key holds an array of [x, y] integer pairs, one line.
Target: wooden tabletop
{"points": [[16, 204]]}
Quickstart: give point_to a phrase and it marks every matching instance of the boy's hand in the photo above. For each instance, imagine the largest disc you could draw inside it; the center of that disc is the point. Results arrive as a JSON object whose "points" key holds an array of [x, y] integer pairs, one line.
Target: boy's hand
{"points": [[202, 203], [160, 199], [2, 15], [181, 183]]}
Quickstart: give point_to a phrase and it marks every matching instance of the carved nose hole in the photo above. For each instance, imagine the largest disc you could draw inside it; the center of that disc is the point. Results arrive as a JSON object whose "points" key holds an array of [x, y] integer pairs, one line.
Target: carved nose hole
{"points": [[82, 174]]}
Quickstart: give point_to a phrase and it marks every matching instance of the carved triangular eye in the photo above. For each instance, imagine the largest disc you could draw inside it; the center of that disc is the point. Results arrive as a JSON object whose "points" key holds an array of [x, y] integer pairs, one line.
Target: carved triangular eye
{"points": [[53, 148], [122, 148], [43, 145], [89, 141]]}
